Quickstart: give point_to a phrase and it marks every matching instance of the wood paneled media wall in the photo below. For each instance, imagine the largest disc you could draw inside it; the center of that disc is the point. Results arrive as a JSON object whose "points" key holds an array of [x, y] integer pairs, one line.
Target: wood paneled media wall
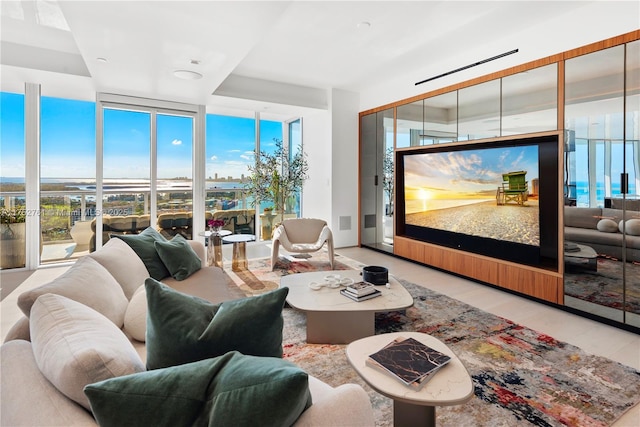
{"points": [[541, 283]]}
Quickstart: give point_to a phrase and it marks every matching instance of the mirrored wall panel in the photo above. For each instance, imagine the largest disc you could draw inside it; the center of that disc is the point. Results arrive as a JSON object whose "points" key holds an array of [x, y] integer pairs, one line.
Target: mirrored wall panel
{"points": [[530, 101], [601, 248], [479, 111]]}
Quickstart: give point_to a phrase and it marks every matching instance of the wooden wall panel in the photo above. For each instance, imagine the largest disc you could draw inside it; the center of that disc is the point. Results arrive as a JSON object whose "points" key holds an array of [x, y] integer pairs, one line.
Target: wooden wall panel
{"points": [[527, 280], [535, 283]]}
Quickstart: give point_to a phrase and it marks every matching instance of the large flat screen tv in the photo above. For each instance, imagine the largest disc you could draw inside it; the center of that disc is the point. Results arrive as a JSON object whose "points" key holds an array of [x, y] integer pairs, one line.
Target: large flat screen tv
{"points": [[498, 199]]}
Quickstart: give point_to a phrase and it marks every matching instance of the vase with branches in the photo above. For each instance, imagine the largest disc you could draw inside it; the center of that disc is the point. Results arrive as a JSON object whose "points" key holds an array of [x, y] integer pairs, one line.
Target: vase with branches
{"points": [[276, 176], [387, 180]]}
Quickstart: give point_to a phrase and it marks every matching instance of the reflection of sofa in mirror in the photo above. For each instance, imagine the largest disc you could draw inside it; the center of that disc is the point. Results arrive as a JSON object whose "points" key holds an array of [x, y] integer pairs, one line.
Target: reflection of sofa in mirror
{"points": [[594, 227], [129, 224]]}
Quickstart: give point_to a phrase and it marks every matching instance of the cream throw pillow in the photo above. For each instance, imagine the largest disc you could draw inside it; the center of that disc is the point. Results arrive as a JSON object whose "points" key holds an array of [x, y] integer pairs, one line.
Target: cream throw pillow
{"points": [[123, 264], [607, 225], [88, 283], [135, 318], [75, 345], [632, 226]]}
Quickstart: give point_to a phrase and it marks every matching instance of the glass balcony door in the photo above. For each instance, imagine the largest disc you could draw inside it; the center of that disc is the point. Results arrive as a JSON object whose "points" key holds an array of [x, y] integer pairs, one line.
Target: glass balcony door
{"points": [[147, 171]]}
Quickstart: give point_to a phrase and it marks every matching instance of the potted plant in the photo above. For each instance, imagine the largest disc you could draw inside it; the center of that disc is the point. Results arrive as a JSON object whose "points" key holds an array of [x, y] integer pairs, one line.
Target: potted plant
{"points": [[276, 177], [12, 236]]}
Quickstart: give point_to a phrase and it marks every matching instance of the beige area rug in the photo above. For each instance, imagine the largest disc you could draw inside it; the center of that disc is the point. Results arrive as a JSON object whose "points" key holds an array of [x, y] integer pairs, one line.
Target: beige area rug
{"points": [[521, 376]]}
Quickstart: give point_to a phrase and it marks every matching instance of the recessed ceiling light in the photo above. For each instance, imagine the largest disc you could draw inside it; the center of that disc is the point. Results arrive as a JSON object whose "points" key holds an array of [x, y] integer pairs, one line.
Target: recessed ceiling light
{"points": [[187, 75], [103, 60], [364, 25]]}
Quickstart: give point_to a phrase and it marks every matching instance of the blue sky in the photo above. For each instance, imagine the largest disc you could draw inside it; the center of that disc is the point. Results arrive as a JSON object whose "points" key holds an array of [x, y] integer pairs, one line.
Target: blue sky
{"points": [[68, 141]]}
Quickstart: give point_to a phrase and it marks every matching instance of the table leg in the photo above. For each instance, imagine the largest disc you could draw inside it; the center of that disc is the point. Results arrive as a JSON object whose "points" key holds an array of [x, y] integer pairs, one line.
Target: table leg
{"points": [[335, 327], [406, 414], [214, 251], [239, 259]]}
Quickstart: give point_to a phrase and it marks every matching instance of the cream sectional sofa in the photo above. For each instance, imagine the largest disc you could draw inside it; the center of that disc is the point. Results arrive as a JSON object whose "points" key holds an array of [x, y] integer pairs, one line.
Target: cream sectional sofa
{"points": [[37, 387]]}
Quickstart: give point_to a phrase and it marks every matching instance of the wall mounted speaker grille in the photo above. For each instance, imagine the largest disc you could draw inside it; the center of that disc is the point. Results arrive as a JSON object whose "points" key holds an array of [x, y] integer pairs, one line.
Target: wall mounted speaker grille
{"points": [[345, 223]]}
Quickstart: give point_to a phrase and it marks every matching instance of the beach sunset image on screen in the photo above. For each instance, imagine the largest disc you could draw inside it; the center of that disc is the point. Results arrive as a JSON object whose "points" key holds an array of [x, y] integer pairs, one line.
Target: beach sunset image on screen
{"points": [[485, 192]]}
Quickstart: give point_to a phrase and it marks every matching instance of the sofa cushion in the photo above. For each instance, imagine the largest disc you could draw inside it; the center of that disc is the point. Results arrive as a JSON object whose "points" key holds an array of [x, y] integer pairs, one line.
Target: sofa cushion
{"points": [[582, 217], [607, 226], [88, 283], [182, 328], [28, 399], [75, 345], [123, 264], [178, 256], [135, 318], [631, 226], [232, 389], [143, 245]]}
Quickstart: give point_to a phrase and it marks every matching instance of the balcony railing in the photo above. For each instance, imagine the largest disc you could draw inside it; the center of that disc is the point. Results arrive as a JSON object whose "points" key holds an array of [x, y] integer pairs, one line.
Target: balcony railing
{"points": [[67, 217]]}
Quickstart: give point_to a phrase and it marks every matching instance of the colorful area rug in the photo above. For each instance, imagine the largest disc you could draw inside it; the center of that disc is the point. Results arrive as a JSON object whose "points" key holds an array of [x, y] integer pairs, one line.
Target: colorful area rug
{"points": [[521, 377], [604, 286]]}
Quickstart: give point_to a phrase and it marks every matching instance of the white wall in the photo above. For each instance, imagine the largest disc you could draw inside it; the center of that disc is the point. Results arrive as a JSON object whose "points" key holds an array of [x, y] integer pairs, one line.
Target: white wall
{"points": [[316, 193], [344, 107], [331, 143]]}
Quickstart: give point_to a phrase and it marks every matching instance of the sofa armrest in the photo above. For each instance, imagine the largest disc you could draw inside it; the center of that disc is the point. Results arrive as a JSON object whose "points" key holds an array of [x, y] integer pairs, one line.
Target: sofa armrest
{"points": [[28, 398], [339, 406], [198, 247], [19, 330]]}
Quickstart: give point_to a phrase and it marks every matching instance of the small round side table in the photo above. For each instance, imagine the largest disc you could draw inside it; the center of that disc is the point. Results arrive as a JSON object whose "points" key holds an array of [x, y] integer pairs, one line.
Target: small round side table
{"points": [[214, 246], [451, 385], [239, 259]]}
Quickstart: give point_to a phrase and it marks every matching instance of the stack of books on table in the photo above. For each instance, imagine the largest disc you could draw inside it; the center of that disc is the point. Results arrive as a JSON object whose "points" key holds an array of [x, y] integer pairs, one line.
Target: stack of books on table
{"points": [[360, 291], [408, 360]]}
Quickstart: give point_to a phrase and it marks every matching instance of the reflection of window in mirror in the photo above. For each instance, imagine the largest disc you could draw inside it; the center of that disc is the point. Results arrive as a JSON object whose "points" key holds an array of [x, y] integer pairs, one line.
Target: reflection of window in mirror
{"points": [[440, 119], [530, 101], [479, 111], [409, 124], [594, 103]]}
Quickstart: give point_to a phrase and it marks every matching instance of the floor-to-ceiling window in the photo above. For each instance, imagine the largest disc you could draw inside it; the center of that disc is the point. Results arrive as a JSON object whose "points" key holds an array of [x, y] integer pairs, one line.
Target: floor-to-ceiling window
{"points": [[147, 175], [67, 177], [123, 164], [12, 181]]}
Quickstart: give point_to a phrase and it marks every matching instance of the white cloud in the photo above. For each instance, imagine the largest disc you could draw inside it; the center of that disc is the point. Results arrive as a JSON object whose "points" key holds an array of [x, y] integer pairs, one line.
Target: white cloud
{"points": [[214, 158], [176, 142]]}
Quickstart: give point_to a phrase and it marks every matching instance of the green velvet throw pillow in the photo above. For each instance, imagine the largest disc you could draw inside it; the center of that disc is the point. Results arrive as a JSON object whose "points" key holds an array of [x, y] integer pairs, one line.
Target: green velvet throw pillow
{"points": [[230, 390], [179, 257], [143, 246], [183, 328]]}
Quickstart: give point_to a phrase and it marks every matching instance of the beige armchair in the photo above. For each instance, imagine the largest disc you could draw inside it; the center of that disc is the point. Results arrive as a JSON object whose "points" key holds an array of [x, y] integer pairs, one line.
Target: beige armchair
{"points": [[301, 235]]}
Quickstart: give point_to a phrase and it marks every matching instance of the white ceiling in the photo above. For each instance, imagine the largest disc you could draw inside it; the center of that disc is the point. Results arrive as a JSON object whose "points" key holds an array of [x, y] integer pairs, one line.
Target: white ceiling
{"points": [[279, 57]]}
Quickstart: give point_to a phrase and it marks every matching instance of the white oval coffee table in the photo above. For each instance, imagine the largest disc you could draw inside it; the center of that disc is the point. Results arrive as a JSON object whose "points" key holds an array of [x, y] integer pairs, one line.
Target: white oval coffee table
{"points": [[333, 318], [450, 385]]}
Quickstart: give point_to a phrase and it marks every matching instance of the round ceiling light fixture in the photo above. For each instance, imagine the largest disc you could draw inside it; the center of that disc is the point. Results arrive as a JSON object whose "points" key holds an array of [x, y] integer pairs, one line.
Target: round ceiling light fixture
{"points": [[187, 75]]}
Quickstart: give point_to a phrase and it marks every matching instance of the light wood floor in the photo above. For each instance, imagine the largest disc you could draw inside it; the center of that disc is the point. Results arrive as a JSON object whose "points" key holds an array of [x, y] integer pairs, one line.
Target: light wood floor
{"points": [[593, 337]]}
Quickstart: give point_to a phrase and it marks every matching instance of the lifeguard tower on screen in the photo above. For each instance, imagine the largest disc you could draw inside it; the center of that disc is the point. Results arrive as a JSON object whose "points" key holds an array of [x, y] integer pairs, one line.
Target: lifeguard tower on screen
{"points": [[514, 188]]}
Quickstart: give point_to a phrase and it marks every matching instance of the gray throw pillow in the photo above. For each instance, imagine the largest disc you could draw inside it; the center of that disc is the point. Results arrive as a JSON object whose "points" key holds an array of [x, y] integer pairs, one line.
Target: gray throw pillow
{"points": [[182, 328], [231, 390], [179, 257], [143, 245]]}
